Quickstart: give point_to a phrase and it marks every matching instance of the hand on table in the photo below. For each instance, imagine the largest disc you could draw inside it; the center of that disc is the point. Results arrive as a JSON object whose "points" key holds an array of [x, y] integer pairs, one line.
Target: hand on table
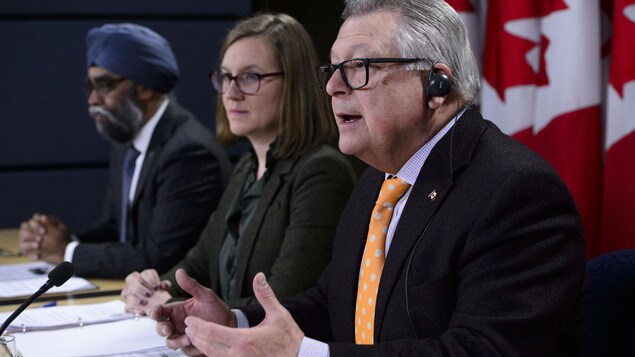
{"points": [[44, 237], [143, 291]]}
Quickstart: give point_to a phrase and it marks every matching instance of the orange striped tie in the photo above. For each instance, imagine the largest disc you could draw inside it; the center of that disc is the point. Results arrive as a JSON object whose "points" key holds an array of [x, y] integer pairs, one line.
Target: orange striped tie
{"points": [[373, 259]]}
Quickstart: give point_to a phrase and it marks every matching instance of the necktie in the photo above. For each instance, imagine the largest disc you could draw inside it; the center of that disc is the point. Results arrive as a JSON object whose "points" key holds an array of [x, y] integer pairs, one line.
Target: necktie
{"points": [[128, 170], [373, 259]]}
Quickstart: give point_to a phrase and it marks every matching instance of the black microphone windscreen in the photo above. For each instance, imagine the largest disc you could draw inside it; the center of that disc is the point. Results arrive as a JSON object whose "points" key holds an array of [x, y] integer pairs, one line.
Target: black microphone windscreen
{"points": [[61, 273]]}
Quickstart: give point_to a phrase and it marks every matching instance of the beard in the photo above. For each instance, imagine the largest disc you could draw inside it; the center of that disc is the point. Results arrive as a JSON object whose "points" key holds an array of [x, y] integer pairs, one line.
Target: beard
{"points": [[120, 124]]}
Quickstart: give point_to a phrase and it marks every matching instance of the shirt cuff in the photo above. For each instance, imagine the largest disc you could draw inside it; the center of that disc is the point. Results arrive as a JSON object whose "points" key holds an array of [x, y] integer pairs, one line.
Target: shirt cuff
{"points": [[70, 250], [313, 348], [241, 319]]}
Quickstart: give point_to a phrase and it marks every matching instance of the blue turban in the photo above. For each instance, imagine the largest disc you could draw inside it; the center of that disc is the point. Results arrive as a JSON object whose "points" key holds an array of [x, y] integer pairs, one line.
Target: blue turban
{"points": [[135, 52]]}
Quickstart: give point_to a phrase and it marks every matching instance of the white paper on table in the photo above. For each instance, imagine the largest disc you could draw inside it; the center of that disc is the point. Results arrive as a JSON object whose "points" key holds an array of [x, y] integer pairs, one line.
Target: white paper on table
{"points": [[24, 270], [26, 287], [67, 316], [120, 337]]}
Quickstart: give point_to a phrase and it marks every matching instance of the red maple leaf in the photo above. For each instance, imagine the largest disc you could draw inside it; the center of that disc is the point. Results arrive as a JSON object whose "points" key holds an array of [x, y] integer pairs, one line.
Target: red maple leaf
{"points": [[504, 63], [623, 42], [461, 5]]}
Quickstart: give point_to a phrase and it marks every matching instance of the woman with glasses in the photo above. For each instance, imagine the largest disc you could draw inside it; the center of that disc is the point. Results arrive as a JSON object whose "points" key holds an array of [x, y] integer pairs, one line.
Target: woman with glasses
{"points": [[279, 211]]}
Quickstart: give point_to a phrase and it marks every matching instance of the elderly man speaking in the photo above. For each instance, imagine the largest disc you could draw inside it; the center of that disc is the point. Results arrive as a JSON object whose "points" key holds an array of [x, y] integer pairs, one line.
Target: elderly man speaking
{"points": [[457, 241], [166, 174]]}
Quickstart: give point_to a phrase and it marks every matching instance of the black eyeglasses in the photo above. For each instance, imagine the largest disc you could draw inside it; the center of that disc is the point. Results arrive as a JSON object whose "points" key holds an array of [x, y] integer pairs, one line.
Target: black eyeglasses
{"points": [[102, 85], [247, 83], [354, 72]]}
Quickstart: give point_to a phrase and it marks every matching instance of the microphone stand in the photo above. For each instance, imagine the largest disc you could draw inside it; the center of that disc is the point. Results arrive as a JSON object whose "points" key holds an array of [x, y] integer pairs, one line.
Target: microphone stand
{"points": [[25, 304], [58, 276]]}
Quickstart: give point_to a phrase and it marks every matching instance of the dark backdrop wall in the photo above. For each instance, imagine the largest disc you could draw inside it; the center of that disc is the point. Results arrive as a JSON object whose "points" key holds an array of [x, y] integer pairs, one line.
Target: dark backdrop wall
{"points": [[320, 18], [322, 21], [51, 158]]}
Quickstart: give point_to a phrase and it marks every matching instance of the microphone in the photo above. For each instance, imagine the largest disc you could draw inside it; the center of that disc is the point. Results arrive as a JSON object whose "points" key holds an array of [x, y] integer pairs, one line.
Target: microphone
{"points": [[58, 276]]}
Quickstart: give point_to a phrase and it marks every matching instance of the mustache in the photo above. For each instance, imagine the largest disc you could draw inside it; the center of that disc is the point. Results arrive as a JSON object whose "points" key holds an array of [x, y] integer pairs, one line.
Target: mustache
{"points": [[96, 109]]}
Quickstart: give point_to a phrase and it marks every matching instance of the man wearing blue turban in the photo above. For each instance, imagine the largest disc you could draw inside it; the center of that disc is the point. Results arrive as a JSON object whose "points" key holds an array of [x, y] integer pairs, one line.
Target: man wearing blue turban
{"points": [[166, 174]]}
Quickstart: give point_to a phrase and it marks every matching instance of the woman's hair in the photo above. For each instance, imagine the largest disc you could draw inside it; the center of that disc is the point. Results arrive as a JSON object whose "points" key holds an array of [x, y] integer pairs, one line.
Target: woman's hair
{"points": [[430, 29], [305, 117]]}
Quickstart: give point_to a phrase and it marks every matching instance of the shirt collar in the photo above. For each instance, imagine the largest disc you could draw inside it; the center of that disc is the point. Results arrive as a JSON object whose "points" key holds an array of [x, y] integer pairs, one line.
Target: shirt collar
{"points": [[410, 171], [142, 140]]}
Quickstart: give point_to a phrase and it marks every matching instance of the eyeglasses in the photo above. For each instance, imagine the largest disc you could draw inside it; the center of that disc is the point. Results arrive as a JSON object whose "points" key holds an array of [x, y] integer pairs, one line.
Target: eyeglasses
{"points": [[102, 85], [354, 72], [247, 83]]}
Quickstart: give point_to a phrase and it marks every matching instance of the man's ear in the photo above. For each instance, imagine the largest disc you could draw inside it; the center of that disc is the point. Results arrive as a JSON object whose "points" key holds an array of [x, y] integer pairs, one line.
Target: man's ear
{"points": [[144, 93], [436, 102]]}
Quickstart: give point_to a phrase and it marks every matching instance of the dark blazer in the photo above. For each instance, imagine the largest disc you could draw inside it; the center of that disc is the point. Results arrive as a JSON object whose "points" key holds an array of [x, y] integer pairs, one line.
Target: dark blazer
{"points": [[291, 233], [494, 265], [179, 186]]}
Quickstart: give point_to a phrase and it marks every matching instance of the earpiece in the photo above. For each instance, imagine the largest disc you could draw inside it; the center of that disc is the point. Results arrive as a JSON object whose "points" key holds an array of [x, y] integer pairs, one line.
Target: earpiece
{"points": [[439, 84]]}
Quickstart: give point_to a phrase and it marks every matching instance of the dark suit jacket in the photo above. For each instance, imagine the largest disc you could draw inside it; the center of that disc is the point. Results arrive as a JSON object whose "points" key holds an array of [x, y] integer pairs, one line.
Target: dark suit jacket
{"points": [[291, 233], [492, 266], [179, 186]]}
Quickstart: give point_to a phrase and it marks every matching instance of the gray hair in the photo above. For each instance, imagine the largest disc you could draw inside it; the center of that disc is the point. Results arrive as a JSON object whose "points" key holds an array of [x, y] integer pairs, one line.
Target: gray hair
{"points": [[432, 30]]}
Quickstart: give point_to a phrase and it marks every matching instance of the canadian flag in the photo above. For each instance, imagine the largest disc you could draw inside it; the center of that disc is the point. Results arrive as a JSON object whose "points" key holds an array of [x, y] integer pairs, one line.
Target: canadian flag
{"points": [[541, 85], [618, 222]]}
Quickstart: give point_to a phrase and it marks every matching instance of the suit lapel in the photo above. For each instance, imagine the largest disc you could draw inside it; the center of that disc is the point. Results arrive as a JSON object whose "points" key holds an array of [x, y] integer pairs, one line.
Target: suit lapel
{"points": [[248, 239], [162, 132], [220, 229], [116, 180], [428, 194]]}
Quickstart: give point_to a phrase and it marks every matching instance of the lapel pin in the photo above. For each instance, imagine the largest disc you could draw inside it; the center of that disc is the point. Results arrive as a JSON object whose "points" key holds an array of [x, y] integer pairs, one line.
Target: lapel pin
{"points": [[433, 195]]}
